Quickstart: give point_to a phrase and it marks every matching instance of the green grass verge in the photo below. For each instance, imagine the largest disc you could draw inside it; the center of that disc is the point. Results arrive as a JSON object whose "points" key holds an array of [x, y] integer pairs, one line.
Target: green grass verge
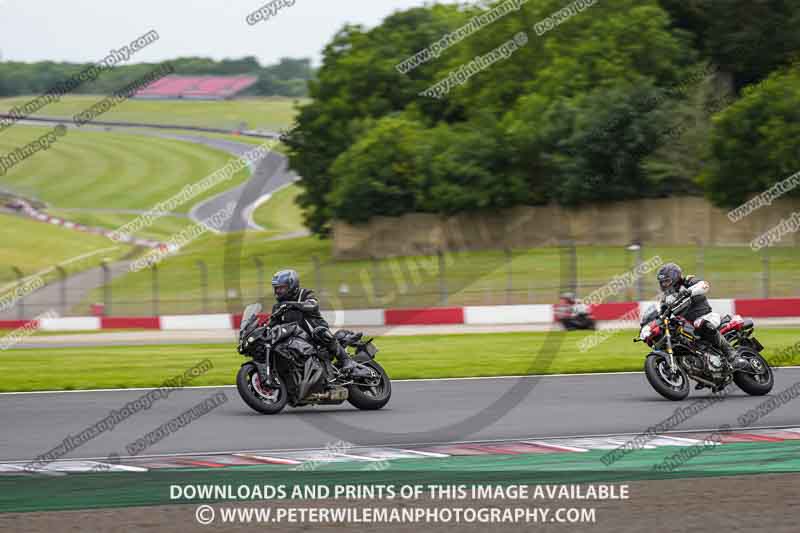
{"points": [[281, 213], [430, 356], [34, 246], [111, 170], [267, 113]]}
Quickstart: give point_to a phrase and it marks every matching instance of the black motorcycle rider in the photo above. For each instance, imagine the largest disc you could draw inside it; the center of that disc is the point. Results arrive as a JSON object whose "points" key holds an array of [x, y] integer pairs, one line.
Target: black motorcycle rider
{"points": [[675, 286], [302, 307]]}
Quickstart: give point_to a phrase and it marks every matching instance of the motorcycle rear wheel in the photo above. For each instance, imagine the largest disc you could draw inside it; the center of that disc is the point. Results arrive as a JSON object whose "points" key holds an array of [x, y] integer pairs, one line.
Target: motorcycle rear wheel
{"points": [[265, 400], [675, 388], [755, 385], [371, 398]]}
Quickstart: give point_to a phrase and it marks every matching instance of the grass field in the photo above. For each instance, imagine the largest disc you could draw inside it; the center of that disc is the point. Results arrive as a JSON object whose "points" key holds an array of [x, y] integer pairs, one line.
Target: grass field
{"points": [[280, 213], [434, 356], [111, 170], [34, 246], [267, 113], [474, 278]]}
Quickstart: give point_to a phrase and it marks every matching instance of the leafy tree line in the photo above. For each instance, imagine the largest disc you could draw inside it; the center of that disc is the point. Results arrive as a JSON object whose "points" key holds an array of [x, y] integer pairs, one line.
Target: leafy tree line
{"points": [[628, 99], [289, 77]]}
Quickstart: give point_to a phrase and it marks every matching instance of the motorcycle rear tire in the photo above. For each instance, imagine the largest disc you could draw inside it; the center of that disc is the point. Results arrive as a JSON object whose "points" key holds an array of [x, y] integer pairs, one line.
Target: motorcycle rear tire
{"points": [[748, 383], [367, 401], [659, 384]]}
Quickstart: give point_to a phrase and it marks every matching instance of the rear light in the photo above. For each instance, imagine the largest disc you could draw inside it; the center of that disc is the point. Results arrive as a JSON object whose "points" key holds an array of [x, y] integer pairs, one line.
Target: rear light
{"points": [[737, 323]]}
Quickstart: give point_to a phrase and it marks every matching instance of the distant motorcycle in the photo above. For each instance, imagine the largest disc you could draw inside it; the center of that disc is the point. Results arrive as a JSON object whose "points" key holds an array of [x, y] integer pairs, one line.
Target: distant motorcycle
{"points": [[679, 354], [574, 316], [288, 366]]}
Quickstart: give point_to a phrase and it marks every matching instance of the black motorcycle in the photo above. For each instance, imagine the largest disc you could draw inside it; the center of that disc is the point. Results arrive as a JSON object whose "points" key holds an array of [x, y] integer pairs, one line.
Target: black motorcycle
{"points": [[289, 366], [678, 354]]}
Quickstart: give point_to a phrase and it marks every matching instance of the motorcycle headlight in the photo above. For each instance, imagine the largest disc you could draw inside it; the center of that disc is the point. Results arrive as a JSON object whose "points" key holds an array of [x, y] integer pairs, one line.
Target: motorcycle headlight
{"points": [[645, 333]]}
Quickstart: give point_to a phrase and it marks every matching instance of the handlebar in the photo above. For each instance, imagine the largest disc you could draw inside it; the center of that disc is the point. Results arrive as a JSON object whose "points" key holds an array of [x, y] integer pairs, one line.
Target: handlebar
{"points": [[671, 308]]}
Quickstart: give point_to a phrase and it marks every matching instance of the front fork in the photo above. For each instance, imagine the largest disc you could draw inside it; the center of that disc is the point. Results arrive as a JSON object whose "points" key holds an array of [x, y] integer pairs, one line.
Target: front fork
{"points": [[264, 369], [670, 354]]}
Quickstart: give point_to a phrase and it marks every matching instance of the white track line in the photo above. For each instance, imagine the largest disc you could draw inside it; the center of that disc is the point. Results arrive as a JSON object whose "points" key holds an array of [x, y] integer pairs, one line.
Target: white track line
{"points": [[413, 380]]}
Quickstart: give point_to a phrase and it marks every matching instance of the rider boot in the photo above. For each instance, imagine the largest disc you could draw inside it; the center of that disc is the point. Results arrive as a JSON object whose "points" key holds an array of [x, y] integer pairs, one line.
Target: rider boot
{"points": [[731, 354], [348, 365]]}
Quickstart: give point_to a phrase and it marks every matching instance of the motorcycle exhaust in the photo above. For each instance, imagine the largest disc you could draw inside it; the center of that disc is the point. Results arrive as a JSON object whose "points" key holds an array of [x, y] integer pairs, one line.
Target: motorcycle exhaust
{"points": [[336, 395]]}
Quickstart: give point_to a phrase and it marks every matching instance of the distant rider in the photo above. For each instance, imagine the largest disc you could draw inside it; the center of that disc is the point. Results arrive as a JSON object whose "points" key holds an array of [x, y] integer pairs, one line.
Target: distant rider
{"points": [[573, 314], [675, 286], [302, 307]]}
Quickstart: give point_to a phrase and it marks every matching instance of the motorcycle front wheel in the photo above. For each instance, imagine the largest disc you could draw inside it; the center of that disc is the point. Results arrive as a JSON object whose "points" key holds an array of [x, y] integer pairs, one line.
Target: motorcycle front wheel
{"points": [[671, 386], [268, 400], [759, 382], [373, 396]]}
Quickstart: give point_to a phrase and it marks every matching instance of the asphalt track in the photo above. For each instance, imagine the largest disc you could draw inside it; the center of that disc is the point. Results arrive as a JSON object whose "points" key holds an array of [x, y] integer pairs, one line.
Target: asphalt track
{"points": [[420, 412]]}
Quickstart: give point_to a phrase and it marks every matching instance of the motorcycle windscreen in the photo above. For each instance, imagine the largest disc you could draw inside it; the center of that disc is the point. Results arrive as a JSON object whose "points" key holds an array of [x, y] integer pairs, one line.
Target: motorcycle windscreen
{"points": [[249, 317], [649, 314]]}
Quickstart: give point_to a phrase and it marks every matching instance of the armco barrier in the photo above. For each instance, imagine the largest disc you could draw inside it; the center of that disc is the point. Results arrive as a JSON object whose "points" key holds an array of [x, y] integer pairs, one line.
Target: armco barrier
{"points": [[475, 315], [773, 307]]}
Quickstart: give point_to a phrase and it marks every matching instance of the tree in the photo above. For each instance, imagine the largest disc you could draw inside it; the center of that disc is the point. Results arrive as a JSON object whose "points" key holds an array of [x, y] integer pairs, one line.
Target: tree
{"points": [[754, 141], [358, 82], [377, 175], [746, 38]]}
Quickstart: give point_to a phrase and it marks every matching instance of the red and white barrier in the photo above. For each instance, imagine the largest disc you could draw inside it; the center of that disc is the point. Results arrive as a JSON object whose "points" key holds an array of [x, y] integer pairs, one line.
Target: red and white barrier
{"points": [[508, 314], [474, 315]]}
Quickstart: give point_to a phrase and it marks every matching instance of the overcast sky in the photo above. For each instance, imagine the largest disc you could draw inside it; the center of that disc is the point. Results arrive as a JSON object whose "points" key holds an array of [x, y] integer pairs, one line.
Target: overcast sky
{"points": [[85, 30]]}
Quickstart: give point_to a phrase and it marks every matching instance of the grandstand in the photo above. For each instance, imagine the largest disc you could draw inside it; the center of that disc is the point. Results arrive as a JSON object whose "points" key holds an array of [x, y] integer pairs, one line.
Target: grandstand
{"points": [[197, 87]]}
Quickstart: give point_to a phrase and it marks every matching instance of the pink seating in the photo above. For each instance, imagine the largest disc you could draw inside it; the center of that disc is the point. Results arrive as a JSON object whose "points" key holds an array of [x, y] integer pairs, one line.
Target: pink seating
{"points": [[212, 87]]}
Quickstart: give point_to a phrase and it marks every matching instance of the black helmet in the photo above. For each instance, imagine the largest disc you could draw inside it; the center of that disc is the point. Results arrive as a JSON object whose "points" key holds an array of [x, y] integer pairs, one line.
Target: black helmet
{"points": [[285, 284], [669, 277]]}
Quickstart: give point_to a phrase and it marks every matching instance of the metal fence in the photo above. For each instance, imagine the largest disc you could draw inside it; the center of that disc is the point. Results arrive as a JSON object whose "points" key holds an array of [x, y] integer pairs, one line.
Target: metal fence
{"points": [[477, 278]]}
